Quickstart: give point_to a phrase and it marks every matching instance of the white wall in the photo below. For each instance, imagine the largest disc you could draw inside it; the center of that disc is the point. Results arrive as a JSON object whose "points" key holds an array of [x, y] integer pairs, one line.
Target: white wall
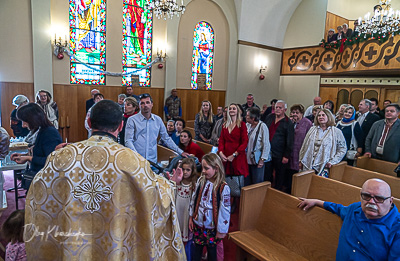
{"points": [[250, 59], [355, 8], [265, 22], [299, 89], [16, 41], [307, 25]]}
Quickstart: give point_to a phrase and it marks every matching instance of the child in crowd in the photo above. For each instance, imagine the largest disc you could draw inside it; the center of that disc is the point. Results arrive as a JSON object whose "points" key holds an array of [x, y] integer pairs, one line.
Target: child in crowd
{"points": [[184, 196], [210, 208], [13, 231]]}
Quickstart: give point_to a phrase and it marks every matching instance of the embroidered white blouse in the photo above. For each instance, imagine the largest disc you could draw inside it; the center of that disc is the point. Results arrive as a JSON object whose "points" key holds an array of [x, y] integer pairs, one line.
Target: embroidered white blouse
{"points": [[205, 212]]}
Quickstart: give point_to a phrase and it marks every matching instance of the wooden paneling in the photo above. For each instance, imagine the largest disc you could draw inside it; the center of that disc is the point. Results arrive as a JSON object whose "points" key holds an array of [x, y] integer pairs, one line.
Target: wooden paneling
{"points": [[333, 21], [329, 93], [191, 101], [367, 57], [387, 92], [71, 100], [8, 91]]}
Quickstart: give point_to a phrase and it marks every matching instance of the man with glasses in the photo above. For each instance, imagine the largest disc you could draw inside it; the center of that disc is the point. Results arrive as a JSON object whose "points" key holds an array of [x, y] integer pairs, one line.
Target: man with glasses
{"points": [[143, 129], [371, 228]]}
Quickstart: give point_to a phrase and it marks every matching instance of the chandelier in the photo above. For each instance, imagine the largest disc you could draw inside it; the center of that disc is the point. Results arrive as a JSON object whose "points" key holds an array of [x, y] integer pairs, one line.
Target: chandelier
{"points": [[383, 23], [165, 8]]}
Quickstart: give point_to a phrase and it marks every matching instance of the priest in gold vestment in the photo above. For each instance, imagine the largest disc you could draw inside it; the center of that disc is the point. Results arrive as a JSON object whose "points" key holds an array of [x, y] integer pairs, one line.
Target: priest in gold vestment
{"points": [[97, 200]]}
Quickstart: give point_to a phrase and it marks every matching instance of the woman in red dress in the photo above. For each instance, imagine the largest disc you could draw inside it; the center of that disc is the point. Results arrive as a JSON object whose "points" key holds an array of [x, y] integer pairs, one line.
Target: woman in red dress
{"points": [[233, 142]]}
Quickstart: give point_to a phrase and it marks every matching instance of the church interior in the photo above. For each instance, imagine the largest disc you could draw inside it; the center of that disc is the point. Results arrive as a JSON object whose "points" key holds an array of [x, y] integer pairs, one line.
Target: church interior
{"points": [[271, 49]]}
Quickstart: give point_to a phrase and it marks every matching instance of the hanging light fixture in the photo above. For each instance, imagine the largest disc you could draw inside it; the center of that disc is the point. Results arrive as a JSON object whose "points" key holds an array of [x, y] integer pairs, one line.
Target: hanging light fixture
{"points": [[385, 21], [165, 8]]}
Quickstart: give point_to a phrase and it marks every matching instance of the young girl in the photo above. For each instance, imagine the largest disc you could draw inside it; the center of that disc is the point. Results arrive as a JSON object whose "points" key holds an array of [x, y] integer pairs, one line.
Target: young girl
{"points": [[210, 208], [13, 230], [184, 195]]}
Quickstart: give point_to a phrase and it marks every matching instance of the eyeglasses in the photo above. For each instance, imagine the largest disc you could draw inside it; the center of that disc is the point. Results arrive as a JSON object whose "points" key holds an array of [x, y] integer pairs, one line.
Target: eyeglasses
{"points": [[377, 199], [144, 95]]}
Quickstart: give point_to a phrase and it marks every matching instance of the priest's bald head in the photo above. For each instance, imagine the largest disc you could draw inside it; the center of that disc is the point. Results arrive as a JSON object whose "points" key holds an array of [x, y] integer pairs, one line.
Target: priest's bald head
{"points": [[106, 115]]}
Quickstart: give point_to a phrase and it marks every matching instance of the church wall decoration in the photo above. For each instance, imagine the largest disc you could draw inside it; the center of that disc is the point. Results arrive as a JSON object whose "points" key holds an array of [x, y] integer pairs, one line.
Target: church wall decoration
{"points": [[370, 55], [137, 34], [202, 56], [87, 22]]}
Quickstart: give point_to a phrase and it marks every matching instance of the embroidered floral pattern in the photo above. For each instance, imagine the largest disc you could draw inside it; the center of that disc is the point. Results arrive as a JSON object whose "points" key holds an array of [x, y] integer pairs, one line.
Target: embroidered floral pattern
{"points": [[92, 192]]}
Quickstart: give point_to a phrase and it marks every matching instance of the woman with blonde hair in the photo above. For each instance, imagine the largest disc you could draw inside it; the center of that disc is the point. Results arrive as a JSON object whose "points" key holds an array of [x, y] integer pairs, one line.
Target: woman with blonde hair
{"points": [[204, 122], [323, 146]]}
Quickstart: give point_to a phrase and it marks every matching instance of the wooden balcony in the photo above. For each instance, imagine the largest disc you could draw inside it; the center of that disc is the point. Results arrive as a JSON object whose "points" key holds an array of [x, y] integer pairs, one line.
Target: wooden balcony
{"points": [[371, 56]]}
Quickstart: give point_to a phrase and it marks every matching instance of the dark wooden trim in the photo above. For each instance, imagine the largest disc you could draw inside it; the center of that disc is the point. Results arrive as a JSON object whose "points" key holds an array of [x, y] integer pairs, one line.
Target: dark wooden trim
{"points": [[261, 46], [304, 47], [182, 89]]}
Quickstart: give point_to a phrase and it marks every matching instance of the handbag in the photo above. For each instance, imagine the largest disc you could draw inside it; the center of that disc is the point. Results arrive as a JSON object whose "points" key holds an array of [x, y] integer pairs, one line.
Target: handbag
{"points": [[351, 153], [235, 183], [256, 154]]}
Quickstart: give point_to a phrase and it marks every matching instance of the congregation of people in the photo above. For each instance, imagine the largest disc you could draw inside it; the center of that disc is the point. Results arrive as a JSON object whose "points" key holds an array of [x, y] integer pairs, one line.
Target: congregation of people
{"points": [[251, 145]]}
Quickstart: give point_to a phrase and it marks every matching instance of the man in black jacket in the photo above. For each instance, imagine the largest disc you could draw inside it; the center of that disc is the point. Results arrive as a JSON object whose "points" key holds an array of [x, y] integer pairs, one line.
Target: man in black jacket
{"points": [[365, 118], [281, 132]]}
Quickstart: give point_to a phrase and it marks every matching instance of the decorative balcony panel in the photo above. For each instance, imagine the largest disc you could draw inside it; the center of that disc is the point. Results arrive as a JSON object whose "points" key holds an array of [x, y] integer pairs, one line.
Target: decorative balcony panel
{"points": [[371, 55]]}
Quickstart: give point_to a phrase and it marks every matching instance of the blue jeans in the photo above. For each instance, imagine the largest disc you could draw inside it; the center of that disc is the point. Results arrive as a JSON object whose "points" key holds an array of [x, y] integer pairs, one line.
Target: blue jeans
{"points": [[256, 175]]}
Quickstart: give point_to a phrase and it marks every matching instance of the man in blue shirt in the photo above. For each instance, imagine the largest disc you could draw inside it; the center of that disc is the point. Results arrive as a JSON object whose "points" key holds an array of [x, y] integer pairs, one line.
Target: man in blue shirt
{"points": [[143, 129], [371, 228]]}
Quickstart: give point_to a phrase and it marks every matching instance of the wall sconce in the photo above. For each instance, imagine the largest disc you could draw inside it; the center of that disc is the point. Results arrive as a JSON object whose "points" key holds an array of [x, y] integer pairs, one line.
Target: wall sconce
{"points": [[161, 56], [59, 47], [263, 68]]}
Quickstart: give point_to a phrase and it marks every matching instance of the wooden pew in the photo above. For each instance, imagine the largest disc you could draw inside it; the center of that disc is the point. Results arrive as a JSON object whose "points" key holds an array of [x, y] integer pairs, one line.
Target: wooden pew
{"points": [[204, 146], [356, 176], [190, 124], [308, 185], [191, 131], [165, 154], [272, 227], [384, 167]]}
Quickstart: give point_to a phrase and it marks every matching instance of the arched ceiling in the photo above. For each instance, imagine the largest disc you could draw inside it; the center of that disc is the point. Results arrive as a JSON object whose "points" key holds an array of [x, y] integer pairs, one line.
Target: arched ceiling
{"points": [[264, 21]]}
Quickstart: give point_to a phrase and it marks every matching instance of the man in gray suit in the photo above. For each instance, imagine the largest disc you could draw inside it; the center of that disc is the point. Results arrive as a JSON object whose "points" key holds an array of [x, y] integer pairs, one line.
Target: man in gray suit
{"points": [[383, 140]]}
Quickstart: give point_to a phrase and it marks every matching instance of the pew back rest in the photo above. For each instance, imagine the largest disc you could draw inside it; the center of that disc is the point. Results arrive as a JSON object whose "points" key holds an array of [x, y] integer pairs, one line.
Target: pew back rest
{"points": [[191, 131], [324, 189], [251, 202], [376, 165], [165, 154], [309, 185], [204, 146], [190, 123], [313, 234], [357, 177]]}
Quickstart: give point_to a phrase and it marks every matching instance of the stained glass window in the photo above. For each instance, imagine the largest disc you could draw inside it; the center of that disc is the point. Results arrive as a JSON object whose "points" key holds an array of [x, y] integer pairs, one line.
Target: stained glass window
{"points": [[87, 23], [137, 33], [202, 58]]}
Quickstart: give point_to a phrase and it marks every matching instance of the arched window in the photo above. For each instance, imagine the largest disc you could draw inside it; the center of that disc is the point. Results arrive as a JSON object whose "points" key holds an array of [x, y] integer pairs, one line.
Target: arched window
{"points": [[202, 58], [87, 23], [137, 32]]}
